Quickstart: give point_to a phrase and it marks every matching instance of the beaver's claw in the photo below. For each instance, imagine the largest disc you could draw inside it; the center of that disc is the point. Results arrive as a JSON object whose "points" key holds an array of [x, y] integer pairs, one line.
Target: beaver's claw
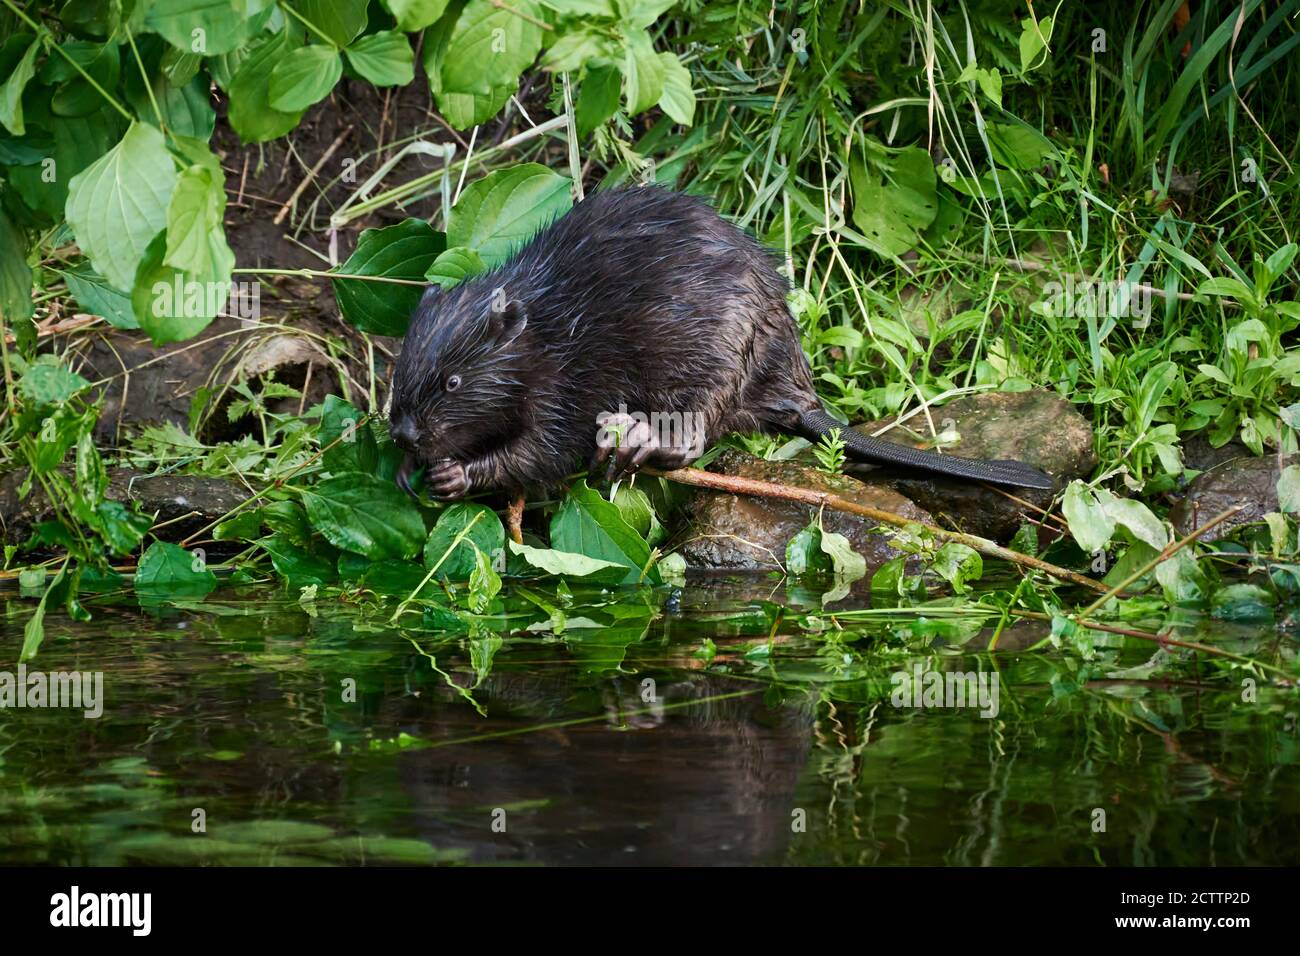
{"points": [[447, 479]]}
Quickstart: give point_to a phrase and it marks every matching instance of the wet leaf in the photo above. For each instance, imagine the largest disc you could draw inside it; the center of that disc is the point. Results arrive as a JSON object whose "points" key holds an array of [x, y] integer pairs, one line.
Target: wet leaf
{"points": [[404, 251], [366, 515]]}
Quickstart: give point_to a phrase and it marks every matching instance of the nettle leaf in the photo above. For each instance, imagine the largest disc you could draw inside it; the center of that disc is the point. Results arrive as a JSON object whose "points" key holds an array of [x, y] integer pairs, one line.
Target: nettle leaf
{"points": [[169, 570], [454, 266], [356, 449], [643, 73], [412, 15], [1136, 517], [340, 20], [803, 552], [305, 76], [403, 251], [845, 562], [1090, 525], [365, 515], [251, 114], [384, 58], [1288, 489], [460, 533], [588, 524], [119, 203], [569, 565], [11, 92], [678, 99], [597, 98], [490, 46], [46, 382], [203, 27], [503, 210], [298, 567], [891, 212], [957, 563]]}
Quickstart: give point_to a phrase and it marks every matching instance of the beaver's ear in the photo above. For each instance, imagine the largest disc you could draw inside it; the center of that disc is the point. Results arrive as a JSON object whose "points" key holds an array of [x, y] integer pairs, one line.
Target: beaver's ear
{"points": [[505, 321]]}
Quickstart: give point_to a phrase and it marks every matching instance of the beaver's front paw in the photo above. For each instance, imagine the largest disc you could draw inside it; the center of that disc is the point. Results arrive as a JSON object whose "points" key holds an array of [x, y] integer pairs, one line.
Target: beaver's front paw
{"points": [[447, 479]]}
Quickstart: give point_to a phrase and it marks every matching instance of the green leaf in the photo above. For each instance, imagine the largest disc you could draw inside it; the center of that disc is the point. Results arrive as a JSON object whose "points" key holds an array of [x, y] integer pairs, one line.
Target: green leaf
{"points": [[75, 96], [172, 304], [119, 203], [296, 566], [452, 548], [365, 515], [1088, 521], [1018, 145], [11, 92], [403, 251], [597, 98], [251, 114], [16, 306], [34, 629], [412, 15], [1034, 38], [384, 58], [490, 46], [678, 99], [196, 241], [1243, 602], [185, 108], [49, 383], [569, 565], [484, 583], [169, 570], [642, 13], [340, 20], [890, 213], [454, 266], [503, 210], [957, 563], [643, 73], [305, 76], [119, 527], [1136, 517], [463, 110], [356, 449], [205, 27], [803, 552], [845, 562], [588, 524], [572, 50], [1288, 489]]}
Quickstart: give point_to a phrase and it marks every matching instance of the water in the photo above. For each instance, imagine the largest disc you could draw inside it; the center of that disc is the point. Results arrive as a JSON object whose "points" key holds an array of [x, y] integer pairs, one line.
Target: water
{"points": [[235, 716]]}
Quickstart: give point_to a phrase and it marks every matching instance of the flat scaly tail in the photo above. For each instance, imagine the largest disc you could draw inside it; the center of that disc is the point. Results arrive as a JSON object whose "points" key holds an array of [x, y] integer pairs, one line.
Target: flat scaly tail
{"points": [[1016, 474]]}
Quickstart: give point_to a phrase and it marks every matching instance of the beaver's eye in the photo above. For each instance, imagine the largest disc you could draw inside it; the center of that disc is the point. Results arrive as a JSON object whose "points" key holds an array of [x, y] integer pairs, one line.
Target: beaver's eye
{"points": [[453, 383]]}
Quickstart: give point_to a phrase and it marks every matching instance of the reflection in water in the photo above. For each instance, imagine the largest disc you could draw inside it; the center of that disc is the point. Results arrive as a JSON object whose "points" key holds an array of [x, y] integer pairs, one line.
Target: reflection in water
{"points": [[317, 735]]}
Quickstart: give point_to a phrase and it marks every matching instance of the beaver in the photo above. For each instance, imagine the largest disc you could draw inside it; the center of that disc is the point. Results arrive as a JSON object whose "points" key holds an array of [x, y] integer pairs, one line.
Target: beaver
{"points": [[638, 328]]}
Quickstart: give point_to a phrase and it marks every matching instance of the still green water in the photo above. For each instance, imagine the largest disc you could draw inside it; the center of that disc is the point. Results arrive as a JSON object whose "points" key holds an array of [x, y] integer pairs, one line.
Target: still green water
{"points": [[699, 726]]}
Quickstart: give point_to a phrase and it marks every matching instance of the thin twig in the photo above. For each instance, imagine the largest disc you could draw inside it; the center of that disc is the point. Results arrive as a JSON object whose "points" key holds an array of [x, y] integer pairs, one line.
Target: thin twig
{"points": [[311, 175], [767, 489]]}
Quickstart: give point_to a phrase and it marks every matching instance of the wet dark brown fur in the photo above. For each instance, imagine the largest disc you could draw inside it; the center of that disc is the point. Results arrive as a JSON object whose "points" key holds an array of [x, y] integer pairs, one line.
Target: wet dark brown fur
{"points": [[639, 299]]}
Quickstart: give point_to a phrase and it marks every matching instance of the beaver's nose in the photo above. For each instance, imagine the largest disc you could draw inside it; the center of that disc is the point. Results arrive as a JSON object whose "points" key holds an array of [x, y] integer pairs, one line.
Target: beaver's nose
{"points": [[404, 433]]}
